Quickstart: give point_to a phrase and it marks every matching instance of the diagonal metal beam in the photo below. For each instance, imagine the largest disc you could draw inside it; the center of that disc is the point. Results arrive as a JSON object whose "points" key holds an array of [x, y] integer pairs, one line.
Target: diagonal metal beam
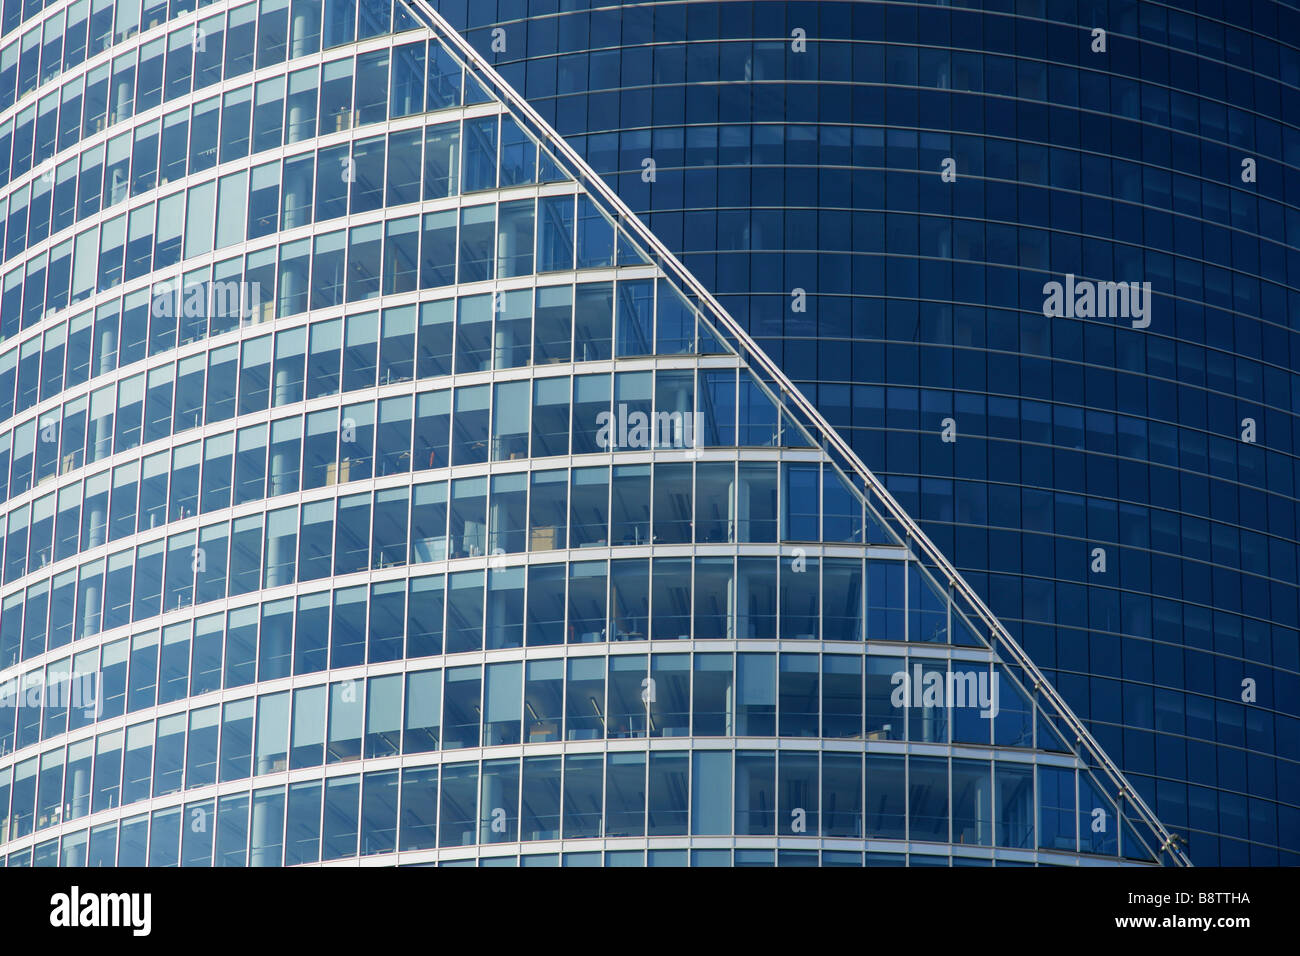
{"points": [[596, 186]]}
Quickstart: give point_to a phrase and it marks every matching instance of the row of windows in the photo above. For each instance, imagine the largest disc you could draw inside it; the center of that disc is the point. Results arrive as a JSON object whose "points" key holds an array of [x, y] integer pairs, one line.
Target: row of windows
{"points": [[438, 336], [364, 262], [962, 339], [355, 168], [1144, 491], [626, 794], [156, 153], [1227, 578], [938, 258], [597, 601], [475, 333], [752, 598], [147, 139], [1210, 449], [1066, 510], [567, 415], [48, 854], [402, 255], [1140, 606], [523, 702], [1130, 595], [1048, 72], [313, 632], [899, 213], [553, 510], [161, 245], [33, 353], [1215, 476], [955, 333], [623, 601], [540, 510], [703, 167], [519, 237], [1066, 397], [1205, 184], [1039, 47], [51, 203], [1089, 357], [333, 358], [1225, 745], [38, 58], [368, 438], [1247, 37], [225, 46], [926, 116], [763, 78], [1139, 476], [716, 597], [543, 330]]}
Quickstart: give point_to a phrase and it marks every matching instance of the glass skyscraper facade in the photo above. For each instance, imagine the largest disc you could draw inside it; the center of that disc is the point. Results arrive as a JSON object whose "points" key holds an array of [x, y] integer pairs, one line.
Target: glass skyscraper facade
{"points": [[1165, 151], [377, 484]]}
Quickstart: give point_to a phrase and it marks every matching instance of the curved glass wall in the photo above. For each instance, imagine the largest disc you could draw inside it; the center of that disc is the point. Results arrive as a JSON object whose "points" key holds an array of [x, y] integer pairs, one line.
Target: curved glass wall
{"points": [[921, 172], [384, 492]]}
